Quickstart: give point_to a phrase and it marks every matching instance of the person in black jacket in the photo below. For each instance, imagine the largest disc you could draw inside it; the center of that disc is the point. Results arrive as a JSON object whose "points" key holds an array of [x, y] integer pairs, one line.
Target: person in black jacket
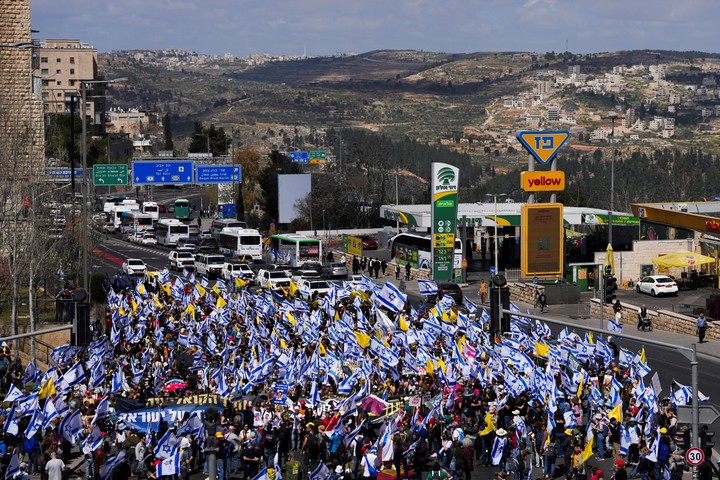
{"points": [[419, 456]]}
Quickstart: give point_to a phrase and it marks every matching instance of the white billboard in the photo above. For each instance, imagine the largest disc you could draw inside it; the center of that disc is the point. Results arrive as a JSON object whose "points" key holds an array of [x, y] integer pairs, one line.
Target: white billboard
{"points": [[291, 188]]}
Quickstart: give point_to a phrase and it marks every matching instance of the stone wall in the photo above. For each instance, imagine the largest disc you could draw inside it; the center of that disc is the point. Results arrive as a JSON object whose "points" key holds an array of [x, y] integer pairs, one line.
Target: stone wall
{"points": [[415, 273], [661, 320], [524, 292]]}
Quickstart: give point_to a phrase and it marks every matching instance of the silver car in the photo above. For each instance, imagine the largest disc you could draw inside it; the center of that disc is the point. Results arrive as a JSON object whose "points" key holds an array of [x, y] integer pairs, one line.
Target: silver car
{"points": [[336, 270]]}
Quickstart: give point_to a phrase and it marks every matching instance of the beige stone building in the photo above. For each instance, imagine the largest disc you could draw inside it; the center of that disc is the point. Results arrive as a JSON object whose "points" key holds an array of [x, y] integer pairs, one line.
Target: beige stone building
{"points": [[61, 65], [22, 135]]}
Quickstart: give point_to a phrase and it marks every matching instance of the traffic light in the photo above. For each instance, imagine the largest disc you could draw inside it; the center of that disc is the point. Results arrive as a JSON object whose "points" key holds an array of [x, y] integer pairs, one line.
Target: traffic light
{"points": [[706, 439], [610, 287], [499, 299], [82, 330]]}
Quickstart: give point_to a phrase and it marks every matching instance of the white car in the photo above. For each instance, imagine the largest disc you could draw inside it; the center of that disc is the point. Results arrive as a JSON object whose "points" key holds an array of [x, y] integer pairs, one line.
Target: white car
{"points": [[273, 279], [148, 239], [305, 275], [234, 270], [181, 259], [134, 266], [657, 285], [316, 288]]}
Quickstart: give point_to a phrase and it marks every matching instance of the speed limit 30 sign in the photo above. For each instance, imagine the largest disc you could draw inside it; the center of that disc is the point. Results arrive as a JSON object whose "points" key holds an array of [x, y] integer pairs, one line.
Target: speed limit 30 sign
{"points": [[694, 457]]}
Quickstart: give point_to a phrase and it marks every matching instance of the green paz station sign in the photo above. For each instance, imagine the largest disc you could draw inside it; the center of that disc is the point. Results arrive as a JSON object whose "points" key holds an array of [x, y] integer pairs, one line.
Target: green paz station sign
{"points": [[445, 180], [109, 174]]}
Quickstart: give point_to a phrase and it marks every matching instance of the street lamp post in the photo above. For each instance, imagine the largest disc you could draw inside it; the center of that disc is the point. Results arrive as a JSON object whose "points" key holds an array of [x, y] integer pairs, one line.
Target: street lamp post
{"points": [[497, 267], [86, 187], [611, 116], [72, 98]]}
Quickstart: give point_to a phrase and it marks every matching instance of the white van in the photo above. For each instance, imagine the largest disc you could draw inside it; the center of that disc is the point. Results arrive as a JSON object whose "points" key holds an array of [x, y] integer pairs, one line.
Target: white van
{"points": [[209, 264]]}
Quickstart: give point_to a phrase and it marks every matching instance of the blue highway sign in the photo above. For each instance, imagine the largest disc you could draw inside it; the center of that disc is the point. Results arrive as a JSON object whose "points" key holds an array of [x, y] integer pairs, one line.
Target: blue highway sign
{"points": [[300, 157], [62, 174], [163, 173], [217, 174]]}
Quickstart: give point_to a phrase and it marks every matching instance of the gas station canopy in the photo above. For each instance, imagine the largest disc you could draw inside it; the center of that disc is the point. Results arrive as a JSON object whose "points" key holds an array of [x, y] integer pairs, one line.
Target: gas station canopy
{"points": [[508, 215]]}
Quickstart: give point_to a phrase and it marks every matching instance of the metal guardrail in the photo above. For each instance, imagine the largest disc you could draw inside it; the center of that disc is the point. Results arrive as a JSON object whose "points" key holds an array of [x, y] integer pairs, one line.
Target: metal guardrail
{"points": [[512, 274]]}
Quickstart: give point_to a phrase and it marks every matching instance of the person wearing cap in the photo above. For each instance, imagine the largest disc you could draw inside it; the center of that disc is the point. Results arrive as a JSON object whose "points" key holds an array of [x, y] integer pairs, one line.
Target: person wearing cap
{"points": [[22, 474], [370, 463], [186, 458], [222, 455], [601, 431], [620, 472], [292, 469], [251, 460]]}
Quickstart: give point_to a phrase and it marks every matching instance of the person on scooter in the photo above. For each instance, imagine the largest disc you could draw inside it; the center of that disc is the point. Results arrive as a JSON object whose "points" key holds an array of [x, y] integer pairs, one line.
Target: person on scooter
{"points": [[643, 318]]}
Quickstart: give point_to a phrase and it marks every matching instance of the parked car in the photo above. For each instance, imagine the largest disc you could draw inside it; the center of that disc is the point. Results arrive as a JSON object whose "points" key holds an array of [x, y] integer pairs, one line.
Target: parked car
{"points": [[657, 285], [134, 266], [179, 259], [450, 289], [128, 234], [369, 243], [335, 270], [148, 239]]}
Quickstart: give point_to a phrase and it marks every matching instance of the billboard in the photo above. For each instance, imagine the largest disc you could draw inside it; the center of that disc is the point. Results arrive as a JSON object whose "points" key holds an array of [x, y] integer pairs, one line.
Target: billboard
{"points": [[291, 188], [444, 190], [352, 245], [541, 240]]}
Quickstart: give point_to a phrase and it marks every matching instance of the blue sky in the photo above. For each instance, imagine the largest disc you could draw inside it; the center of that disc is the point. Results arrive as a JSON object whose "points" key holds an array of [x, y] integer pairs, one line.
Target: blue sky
{"points": [[244, 27]]}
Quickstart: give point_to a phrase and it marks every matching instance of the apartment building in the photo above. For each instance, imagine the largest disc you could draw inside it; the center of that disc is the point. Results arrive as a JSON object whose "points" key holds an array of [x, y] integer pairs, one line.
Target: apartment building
{"points": [[64, 63]]}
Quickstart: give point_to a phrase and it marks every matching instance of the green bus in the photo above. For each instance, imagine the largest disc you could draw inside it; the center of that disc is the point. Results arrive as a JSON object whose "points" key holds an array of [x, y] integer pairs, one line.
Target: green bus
{"points": [[296, 249], [182, 209]]}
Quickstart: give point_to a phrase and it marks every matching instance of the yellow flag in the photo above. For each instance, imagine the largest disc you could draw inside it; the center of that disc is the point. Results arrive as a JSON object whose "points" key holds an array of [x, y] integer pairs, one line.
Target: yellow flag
{"points": [[402, 324], [134, 305], [122, 311], [616, 413], [441, 365], [363, 339], [239, 282], [580, 385], [642, 354], [200, 289], [283, 343], [590, 338], [220, 302], [190, 308], [216, 289], [141, 289], [47, 389], [322, 350], [293, 288], [489, 425], [166, 288], [453, 315], [290, 318], [588, 450], [429, 367], [542, 350]]}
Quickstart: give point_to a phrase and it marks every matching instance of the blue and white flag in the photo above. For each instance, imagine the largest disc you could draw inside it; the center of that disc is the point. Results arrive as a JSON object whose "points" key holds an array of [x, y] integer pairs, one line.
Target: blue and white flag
{"points": [[74, 376], [498, 449], [36, 422], [71, 427], [391, 298], [166, 445], [613, 326], [262, 475], [49, 412], [170, 465], [94, 440], [107, 469], [13, 394], [102, 411], [14, 465], [321, 472], [427, 287], [32, 373]]}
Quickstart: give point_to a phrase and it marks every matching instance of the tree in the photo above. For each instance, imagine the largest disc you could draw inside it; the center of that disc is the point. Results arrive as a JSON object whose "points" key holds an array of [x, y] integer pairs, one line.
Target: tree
{"points": [[167, 131], [212, 138], [249, 161]]}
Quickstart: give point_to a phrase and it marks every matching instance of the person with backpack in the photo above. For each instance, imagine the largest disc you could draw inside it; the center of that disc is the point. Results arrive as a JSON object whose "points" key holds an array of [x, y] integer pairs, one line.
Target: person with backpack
{"points": [[311, 446], [370, 463]]}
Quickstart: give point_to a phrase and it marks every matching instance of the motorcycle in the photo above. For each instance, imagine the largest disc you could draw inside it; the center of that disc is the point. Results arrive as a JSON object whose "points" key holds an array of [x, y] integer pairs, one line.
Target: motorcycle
{"points": [[644, 323]]}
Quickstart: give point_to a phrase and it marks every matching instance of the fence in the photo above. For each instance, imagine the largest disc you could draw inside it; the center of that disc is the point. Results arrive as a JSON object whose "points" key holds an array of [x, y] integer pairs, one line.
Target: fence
{"points": [[512, 274]]}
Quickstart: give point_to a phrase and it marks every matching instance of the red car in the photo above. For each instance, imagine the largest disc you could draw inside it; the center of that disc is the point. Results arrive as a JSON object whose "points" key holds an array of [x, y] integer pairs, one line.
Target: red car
{"points": [[369, 244]]}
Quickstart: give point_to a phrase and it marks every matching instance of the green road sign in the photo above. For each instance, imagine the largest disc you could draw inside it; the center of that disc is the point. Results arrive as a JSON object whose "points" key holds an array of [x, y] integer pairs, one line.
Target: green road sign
{"points": [[316, 154], [109, 174]]}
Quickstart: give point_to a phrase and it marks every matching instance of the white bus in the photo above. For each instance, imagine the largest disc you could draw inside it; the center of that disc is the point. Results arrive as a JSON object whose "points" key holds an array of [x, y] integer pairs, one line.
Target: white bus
{"points": [[295, 249], [113, 203], [135, 221], [151, 208], [170, 230], [240, 243], [218, 225], [116, 213], [416, 249]]}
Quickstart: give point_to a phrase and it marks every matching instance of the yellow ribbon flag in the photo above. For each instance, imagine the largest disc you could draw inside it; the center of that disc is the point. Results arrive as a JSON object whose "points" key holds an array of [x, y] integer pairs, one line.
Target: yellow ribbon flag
{"points": [[588, 450], [216, 289], [616, 413], [290, 318], [122, 311], [47, 389], [239, 282], [190, 308], [580, 385], [489, 425], [322, 350], [157, 302], [542, 350], [166, 288], [591, 339], [441, 365], [200, 289], [283, 343], [402, 324], [363, 339], [141, 289], [429, 367], [220, 302], [293, 288], [642, 354], [134, 305]]}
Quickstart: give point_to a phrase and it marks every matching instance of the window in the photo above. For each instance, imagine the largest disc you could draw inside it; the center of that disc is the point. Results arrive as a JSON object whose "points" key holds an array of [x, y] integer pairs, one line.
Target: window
{"points": [[72, 83], [43, 59], [72, 71], [58, 72], [59, 82], [58, 60], [45, 83], [72, 60], [44, 71]]}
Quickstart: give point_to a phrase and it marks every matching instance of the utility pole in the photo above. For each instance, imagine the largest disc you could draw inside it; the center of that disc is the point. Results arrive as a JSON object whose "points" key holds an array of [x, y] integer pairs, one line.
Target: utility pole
{"points": [[612, 116]]}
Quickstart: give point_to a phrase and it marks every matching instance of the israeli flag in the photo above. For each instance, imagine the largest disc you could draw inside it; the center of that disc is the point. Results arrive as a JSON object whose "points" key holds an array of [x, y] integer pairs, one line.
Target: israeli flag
{"points": [[166, 445], [613, 326], [164, 276], [49, 413], [35, 424], [72, 377], [32, 373], [71, 427], [321, 472], [14, 466], [13, 394], [471, 307], [263, 475], [391, 298], [102, 411], [427, 287], [498, 449], [94, 440], [107, 469], [169, 466]]}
